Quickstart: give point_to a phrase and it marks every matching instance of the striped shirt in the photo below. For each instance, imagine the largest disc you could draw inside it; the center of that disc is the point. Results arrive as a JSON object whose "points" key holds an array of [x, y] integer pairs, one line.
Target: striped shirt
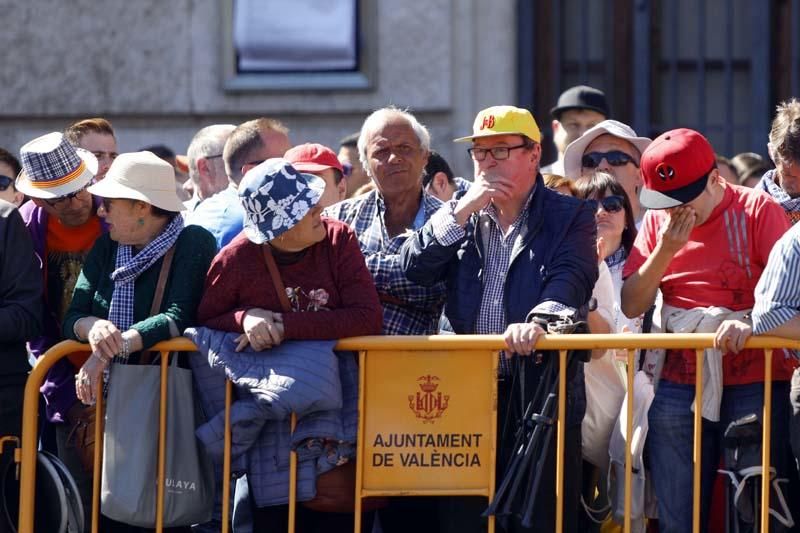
{"points": [[778, 290], [408, 308]]}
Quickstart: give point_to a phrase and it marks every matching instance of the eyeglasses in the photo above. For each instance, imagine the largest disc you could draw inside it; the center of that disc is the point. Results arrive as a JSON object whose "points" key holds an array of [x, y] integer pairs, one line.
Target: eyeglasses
{"points": [[61, 200], [5, 182], [615, 158], [498, 153], [215, 156], [347, 169], [610, 204]]}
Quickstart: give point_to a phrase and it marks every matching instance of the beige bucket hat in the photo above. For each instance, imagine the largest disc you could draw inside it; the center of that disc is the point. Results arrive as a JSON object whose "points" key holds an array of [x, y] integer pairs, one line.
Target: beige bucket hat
{"points": [[140, 176]]}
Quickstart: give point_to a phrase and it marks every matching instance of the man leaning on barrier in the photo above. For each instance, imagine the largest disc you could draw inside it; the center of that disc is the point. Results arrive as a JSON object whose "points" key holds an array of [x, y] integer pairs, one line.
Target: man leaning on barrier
{"points": [[704, 243], [509, 249], [777, 312]]}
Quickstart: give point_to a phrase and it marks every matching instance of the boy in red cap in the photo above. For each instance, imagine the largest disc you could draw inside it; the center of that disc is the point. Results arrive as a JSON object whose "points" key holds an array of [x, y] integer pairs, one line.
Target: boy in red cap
{"points": [[704, 243]]}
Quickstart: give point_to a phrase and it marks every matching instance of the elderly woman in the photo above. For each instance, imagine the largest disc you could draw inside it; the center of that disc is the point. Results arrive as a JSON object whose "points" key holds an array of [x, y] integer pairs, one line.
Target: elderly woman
{"points": [[113, 296], [330, 292]]}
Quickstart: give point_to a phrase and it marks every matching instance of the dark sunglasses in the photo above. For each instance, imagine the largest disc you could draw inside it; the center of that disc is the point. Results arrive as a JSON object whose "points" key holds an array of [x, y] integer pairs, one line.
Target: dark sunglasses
{"points": [[5, 182], [611, 204], [347, 169], [615, 158], [66, 198]]}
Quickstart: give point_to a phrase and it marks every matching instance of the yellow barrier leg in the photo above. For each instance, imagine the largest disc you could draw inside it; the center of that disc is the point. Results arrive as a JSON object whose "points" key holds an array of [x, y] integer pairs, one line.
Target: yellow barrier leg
{"points": [[362, 383], [628, 443], [698, 440], [766, 440], [99, 436], [561, 438], [226, 460], [493, 440], [292, 479]]}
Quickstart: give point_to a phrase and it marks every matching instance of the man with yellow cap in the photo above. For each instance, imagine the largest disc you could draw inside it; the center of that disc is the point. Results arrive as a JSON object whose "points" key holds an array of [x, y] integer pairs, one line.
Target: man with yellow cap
{"points": [[510, 250]]}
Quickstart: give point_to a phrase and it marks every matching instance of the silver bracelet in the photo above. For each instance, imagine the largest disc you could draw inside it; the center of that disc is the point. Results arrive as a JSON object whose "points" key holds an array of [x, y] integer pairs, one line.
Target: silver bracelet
{"points": [[126, 349], [75, 331]]}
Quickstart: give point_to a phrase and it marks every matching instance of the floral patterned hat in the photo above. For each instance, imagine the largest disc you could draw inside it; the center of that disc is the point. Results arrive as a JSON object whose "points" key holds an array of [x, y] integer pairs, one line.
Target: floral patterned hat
{"points": [[275, 197]]}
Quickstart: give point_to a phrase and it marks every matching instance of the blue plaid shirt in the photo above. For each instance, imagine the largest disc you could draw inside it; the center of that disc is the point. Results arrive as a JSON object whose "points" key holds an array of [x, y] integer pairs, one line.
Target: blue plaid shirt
{"points": [[408, 308]]}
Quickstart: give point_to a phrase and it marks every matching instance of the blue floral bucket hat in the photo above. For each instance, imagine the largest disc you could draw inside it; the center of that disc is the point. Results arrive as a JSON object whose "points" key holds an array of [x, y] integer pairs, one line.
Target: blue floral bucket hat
{"points": [[275, 197]]}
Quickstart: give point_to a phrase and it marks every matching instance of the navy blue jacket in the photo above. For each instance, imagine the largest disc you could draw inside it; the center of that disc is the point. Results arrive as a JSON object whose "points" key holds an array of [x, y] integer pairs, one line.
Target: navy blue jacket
{"points": [[553, 259]]}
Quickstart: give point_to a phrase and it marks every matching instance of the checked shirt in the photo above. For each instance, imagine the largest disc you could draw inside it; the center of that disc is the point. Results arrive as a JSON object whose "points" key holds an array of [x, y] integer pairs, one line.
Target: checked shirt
{"points": [[408, 308]]}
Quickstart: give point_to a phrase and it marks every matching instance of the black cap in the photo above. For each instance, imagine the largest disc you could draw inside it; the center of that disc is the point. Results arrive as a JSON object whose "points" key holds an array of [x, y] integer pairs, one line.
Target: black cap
{"points": [[581, 97]]}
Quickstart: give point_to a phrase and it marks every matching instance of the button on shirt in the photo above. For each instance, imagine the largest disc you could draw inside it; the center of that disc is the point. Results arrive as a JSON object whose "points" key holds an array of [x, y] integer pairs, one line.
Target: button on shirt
{"points": [[408, 308]]}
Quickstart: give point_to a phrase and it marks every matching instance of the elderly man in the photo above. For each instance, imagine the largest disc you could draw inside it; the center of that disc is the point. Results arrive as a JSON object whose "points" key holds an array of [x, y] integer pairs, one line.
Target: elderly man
{"points": [[97, 136], [704, 244], [393, 148], [249, 144], [578, 109], [611, 147], [510, 249], [783, 182], [206, 168]]}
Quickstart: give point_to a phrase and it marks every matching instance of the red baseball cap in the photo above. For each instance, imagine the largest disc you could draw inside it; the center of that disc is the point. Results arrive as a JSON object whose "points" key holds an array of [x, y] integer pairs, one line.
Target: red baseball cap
{"points": [[675, 168], [313, 157]]}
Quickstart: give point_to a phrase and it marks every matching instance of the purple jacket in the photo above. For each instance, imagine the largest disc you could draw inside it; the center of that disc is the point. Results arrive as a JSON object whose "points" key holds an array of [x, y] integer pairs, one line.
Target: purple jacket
{"points": [[59, 386]]}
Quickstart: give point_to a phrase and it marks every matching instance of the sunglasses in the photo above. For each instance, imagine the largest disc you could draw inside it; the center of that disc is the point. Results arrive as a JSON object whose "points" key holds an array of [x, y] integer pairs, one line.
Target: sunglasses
{"points": [[5, 182], [347, 169], [64, 199], [610, 204], [615, 158]]}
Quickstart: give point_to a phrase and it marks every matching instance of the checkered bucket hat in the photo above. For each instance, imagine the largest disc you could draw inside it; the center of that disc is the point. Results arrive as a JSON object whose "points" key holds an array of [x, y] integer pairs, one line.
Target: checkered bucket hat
{"points": [[275, 197], [51, 167]]}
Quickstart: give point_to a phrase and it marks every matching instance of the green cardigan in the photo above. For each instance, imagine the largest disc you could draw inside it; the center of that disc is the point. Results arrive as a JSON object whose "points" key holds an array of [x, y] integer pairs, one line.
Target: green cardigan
{"points": [[194, 250]]}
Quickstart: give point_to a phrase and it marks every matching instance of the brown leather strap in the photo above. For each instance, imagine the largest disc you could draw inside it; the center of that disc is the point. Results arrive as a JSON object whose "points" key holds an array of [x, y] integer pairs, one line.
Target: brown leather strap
{"points": [[280, 288], [158, 297]]}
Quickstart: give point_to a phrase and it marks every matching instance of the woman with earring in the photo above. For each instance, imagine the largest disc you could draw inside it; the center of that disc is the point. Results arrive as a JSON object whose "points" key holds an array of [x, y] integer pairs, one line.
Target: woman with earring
{"points": [[329, 293], [112, 304]]}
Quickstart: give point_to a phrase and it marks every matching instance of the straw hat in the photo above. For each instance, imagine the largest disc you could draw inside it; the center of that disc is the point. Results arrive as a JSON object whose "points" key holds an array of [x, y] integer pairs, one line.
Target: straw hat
{"points": [[140, 176]]}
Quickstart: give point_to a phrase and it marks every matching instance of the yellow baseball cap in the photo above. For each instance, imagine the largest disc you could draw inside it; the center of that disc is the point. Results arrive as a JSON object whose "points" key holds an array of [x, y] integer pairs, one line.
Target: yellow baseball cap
{"points": [[503, 120]]}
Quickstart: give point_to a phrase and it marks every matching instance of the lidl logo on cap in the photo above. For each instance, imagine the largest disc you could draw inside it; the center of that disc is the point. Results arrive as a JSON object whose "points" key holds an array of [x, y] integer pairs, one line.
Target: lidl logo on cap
{"points": [[488, 122], [665, 172]]}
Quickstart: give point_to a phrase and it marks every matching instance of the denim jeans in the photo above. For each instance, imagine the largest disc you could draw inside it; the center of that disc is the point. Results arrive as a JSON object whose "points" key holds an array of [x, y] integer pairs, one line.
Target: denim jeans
{"points": [[671, 437]]}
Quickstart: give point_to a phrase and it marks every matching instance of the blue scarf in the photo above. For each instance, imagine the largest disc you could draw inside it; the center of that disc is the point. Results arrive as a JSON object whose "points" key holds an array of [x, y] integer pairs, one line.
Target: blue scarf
{"points": [[128, 267]]}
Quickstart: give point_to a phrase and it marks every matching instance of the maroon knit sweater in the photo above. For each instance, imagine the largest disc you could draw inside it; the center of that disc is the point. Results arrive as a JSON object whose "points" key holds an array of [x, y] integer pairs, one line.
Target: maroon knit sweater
{"points": [[238, 280]]}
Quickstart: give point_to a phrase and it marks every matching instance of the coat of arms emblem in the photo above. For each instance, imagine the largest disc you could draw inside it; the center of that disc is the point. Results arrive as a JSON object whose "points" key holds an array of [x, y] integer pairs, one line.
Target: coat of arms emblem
{"points": [[428, 403]]}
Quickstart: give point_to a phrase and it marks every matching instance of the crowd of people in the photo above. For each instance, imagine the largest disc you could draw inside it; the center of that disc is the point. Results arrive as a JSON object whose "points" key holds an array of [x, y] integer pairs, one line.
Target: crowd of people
{"points": [[257, 245]]}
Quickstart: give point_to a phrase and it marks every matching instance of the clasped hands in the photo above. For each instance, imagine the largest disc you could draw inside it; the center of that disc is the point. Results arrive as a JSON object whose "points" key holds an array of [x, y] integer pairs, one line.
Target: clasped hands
{"points": [[262, 330]]}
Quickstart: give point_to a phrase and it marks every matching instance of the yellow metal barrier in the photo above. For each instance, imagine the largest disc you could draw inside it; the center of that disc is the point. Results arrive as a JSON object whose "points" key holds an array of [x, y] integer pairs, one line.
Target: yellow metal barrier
{"points": [[365, 345]]}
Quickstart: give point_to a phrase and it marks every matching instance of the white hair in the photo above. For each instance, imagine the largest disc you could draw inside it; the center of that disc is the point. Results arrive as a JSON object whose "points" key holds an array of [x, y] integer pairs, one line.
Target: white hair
{"points": [[379, 118], [208, 141]]}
